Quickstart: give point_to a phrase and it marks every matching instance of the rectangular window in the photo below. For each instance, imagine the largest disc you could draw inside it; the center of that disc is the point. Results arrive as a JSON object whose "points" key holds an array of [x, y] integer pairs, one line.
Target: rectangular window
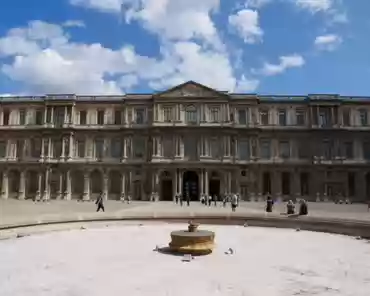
{"points": [[19, 148], [264, 116], [59, 116], [81, 148], [191, 114], [363, 117], [117, 117], [346, 117], [167, 146], [265, 149], [242, 114], [191, 147], [348, 150], [328, 149], [39, 117], [57, 148], [214, 113], [300, 117], [366, 150], [100, 115], [282, 117], [116, 148], [2, 149], [139, 147], [243, 149], [284, 149], [99, 148], [83, 117], [167, 114], [49, 111], [215, 148], [22, 116], [36, 144], [6, 115], [139, 116]]}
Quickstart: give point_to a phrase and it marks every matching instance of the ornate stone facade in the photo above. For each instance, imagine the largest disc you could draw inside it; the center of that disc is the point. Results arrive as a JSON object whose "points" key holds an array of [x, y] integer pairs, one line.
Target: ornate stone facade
{"points": [[190, 138]]}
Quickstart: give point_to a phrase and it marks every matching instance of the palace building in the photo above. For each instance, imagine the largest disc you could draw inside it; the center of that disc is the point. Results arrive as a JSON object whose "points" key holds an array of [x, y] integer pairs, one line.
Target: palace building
{"points": [[190, 138]]}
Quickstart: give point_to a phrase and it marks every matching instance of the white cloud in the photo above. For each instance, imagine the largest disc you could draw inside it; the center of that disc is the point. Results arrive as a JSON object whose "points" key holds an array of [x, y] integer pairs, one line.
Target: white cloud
{"points": [[315, 5], [102, 5], [333, 9], [46, 61], [245, 22], [74, 23], [286, 62], [256, 3], [328, 42]]}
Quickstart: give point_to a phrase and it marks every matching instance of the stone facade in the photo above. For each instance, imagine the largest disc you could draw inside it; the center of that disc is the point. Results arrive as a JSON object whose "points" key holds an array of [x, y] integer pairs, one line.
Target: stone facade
{"points": [[190, 138]]}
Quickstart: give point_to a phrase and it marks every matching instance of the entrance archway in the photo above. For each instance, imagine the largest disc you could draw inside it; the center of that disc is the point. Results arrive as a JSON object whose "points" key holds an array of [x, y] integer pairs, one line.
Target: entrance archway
{"points": [[166, 186], [214, 185], [190, 186]]}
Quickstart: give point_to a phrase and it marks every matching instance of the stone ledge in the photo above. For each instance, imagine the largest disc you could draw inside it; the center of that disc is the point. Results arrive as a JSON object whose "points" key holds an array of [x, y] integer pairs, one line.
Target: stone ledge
{"points": [[339, 226]]}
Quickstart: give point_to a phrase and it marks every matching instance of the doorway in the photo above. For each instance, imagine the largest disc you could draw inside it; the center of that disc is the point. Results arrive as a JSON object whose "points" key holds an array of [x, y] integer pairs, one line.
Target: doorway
{"points": [[166, 190], [191, 185], [214, 185]]}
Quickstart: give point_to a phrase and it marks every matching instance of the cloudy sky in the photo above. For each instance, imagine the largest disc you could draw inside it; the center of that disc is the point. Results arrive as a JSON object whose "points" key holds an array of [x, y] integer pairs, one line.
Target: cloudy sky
{"points": [[120, 46]]}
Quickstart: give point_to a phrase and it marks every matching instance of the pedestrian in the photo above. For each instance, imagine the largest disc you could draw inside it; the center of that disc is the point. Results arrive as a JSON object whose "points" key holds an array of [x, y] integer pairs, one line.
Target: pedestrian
{"points": [[209, 200], [215, 200], [269, 204], [128, 198], [176, 198], [303, 208], [234, 202], [99, 203], [224, 200], [188, 200], [290, 207]]}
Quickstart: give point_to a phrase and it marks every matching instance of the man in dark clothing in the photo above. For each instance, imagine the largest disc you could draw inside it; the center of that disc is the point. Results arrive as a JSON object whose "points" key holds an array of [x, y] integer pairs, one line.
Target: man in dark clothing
{"points": [[188, 200], [303, 208], [269, 204], [99, 203]]}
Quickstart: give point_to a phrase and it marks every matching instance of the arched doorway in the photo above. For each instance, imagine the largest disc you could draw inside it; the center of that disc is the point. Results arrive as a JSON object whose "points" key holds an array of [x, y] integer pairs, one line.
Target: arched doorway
{"points": [[32, 183], [214, 185], [190, 186], [77, 184], [166, 186], [14, 180], [115, 184]]}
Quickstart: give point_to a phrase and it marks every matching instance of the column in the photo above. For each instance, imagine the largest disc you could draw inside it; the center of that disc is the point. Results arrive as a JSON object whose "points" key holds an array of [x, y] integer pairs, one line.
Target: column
{"points": [[46, 194], [39, 188], [5, 187], [175, 179], [86, 195], [65, 115], [68, 192], [206, 183], [123, 184], [130, 183], [64, 141], [361, 194], [105, 185], [181, 138], [70, 152], [276, 184], [60, 190], [180, 181], [50, 152], [43, 148], [22, 186], [124, 148]]}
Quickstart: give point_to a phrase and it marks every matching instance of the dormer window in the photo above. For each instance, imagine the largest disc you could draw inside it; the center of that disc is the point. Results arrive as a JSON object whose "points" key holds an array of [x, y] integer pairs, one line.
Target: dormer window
{"points": [[191, 114]]}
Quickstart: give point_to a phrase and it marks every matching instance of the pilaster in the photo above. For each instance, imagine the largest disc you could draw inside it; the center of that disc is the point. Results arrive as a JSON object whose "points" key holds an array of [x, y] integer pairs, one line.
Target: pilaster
{"points": [[86, 194], [22, 186], [5, 187]]}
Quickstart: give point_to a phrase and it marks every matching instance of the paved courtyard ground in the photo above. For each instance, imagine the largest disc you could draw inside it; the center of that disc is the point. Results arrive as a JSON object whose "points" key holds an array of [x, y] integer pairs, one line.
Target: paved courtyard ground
{"points": [[15, 211]]}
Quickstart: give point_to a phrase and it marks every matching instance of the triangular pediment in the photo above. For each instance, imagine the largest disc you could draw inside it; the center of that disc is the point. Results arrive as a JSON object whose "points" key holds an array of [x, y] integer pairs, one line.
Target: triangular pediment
{"points": [[191, 89]]}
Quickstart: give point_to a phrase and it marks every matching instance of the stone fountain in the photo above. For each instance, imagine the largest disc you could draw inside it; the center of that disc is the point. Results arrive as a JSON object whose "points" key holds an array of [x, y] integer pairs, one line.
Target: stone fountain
{"points": [[192, 241]]}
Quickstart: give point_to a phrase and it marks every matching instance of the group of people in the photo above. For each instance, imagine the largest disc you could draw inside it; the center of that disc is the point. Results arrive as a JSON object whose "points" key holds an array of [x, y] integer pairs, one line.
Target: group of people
{"points": [[290, 207]]}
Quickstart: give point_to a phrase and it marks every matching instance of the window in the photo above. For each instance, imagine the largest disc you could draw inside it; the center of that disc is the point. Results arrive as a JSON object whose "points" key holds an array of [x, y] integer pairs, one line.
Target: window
{"points": [[167, 114], [140, 116], [139, 147], [83, 117], [303, 149], [242, 114], [2, 148], [324, 117], [214, 113], [81, 148], [6, 116], [191, 114], [348, 150], [300, 120], [167, 146], [57, 148], [22, 116], [117, 117], [363, 117], [346, 117], [215, 148], [49, 110], [39, 117], [191, 147], [116, 148], [59, 116], [243, 149], [36, 147], [20, 148], [100, 119], [284, 149], [366, 150], [328, 149], [265, 149], [282, 117], [99, 148], [264, 115]]}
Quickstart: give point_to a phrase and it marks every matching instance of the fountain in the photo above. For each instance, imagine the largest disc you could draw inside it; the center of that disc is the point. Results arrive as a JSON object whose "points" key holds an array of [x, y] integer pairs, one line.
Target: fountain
{"points": [[192, 241]]}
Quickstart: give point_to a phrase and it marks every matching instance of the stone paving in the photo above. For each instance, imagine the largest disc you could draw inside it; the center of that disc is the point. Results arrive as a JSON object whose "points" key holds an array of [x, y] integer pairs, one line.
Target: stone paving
{"points": [[18, 212]]}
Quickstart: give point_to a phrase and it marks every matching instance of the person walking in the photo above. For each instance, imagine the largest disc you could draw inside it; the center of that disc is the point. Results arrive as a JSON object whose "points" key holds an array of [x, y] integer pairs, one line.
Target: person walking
{"points": [[99, 203], [269, 204], [215, 200], [290, 207], [234, 202], [303, 208]]}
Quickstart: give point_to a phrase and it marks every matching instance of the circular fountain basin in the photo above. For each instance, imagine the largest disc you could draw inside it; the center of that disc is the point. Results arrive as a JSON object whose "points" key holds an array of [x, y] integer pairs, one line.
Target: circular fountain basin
{"points": [[199, 242]]}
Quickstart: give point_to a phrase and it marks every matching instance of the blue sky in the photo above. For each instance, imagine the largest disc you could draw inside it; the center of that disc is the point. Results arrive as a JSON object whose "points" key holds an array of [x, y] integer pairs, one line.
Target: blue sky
{"points": [[119, 46]]}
